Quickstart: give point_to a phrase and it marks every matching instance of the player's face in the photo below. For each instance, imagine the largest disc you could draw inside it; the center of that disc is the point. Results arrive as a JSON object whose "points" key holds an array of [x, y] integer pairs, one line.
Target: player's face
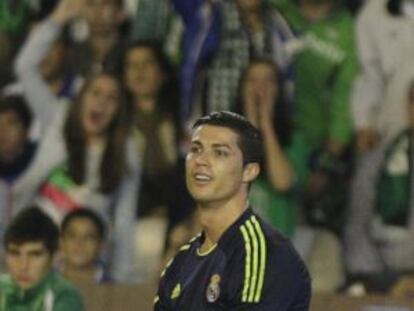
{"points": [[28, 263], [214, 165], [80, 243]]}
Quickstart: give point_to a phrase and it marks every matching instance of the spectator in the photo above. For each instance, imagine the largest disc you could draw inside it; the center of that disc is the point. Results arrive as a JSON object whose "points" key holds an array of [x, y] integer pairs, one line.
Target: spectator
{"points": [[54, 70], [325, 37], [285, 150], [31, 242], [76, 156], [380, 228], [52, 80], [103, 46], [276, 192], [152, 90], [325, 66], [220, 39], [381, 57], [16, 152], [82, 237]]}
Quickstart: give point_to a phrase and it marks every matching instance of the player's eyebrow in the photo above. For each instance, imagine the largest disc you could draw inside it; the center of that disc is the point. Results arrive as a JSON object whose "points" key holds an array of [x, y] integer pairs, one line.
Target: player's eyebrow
{"points": [[222, 145]]}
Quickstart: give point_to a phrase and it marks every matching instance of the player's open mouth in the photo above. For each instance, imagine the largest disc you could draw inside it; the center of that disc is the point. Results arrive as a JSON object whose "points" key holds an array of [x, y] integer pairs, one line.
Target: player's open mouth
{"points": [[202, 177]]}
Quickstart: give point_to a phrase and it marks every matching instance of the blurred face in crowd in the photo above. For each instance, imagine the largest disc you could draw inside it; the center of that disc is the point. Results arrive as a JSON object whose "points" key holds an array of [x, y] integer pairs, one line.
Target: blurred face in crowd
{"points": [[249, 5], [143, 75], [52, 65], [214, 165], [100, 103], [103, 16], [260, 86], [13, 136], [81, 243], [28, 263]]}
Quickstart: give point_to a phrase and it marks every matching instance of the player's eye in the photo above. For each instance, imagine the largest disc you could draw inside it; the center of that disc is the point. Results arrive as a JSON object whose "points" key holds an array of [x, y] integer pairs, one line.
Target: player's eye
{"points": [[195, 149], [221, 152]]}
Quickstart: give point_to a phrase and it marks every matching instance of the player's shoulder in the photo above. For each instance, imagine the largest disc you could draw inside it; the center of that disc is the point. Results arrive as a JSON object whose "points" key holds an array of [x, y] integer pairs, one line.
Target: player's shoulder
{"points": [[255, 241], [250, 231]]}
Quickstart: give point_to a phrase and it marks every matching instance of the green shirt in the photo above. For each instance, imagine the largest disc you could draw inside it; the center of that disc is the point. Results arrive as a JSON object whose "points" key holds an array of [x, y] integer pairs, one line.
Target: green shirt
{"points": [[280, 208], [13, 17], [52, 294], [325, 65]]}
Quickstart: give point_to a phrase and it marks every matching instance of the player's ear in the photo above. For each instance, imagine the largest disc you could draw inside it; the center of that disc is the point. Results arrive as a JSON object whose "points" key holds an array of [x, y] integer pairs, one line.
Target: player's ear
{"points": [[250, 172]]}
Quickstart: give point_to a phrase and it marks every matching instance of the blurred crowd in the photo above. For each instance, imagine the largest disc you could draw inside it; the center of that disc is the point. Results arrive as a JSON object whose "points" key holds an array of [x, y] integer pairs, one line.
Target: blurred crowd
{"points": [[97, 98]]}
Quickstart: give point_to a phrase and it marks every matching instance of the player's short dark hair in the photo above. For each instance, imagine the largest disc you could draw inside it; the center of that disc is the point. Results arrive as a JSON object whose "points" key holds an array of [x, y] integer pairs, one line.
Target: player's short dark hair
{"points": [[17, 104], [32, 225], [84, 213], [249, 137]]}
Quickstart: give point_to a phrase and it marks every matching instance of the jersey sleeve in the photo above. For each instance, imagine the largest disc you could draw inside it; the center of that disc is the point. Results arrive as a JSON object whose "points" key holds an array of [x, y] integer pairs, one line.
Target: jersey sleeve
{"points": [[262, 278]]}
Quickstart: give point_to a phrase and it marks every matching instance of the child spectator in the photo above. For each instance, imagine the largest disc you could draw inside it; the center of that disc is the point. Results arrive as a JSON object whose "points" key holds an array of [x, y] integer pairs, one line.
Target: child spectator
{"points": [[82, 237], [16, 152], [31, 242]]}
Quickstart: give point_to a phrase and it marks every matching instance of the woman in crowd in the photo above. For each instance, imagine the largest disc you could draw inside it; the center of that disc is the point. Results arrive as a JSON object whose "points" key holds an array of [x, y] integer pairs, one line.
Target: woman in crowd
{"points": [[275, 194], [261, 101], [87, 154], [152, 91]]}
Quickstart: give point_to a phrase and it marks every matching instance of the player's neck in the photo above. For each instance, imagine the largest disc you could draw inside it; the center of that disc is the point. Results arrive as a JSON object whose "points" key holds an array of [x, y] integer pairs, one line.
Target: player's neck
{"points": [[216, 218]]}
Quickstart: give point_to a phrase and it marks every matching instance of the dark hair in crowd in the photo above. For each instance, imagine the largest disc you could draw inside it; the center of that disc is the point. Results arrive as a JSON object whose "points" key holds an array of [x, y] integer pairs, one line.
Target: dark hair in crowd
{"points": [[249, 137], [117, 132], [168, 96], [394, 7], [17, 104], [84, 213], [32, 225]]}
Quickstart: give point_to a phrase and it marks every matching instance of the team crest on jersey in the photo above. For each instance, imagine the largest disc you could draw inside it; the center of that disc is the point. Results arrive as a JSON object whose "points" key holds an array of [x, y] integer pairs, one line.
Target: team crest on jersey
{"points": [[213, 289]]}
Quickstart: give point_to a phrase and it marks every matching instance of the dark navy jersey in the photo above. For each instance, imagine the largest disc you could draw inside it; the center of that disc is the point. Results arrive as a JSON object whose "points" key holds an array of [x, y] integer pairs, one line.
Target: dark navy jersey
{"points": [[252, 267]]}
